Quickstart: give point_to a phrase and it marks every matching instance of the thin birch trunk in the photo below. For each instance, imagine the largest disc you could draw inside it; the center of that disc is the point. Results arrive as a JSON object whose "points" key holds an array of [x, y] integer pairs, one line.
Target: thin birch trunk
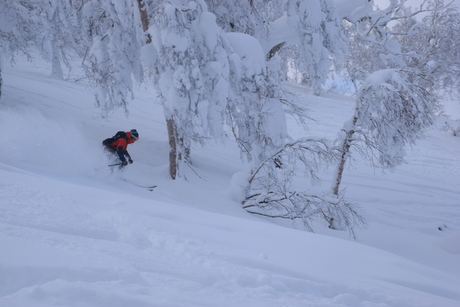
{"points": [[170, 124], [172, 147], [344, 150], [1, 80]]}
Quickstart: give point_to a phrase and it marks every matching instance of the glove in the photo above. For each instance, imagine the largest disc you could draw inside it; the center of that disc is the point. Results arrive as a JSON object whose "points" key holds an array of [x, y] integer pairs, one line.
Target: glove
{"points": [[130, 161], [124, 163]]}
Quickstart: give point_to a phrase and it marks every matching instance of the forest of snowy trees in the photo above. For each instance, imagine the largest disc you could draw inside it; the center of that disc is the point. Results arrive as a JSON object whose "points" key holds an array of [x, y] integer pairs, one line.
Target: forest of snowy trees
{"points": [[219, 66]]}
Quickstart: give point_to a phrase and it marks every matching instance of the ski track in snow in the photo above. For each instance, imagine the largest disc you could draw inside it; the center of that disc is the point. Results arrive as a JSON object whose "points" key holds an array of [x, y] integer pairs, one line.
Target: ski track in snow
{"points": [[74, 234]]}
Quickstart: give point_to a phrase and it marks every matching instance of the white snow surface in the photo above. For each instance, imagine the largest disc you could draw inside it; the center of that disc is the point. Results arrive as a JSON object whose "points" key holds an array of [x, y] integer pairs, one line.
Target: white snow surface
{"points": [[72, 233]]}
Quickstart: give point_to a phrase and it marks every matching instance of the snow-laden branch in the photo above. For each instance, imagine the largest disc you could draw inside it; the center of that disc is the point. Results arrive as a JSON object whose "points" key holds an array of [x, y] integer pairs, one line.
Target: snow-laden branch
{"points": [[273, 189], [392, 110]]}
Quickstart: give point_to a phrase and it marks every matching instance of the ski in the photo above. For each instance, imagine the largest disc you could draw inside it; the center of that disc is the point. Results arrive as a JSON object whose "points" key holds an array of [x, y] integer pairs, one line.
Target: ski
{"points": [[148, 187], [115, 164]]}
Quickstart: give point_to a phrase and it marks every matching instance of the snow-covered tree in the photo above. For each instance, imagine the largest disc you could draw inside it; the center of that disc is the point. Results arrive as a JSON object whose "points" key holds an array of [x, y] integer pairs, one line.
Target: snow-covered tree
{"points": [[202, 74], [257, 118], [276, 189], [247, 17], [60, 33], [306, 34], [361, 60], [49, 27], [193, 66], [376, 43], [255, 110], [320, 39], [111, 30], [393, 109], [396, 101], [19, 28], [432, 45]]}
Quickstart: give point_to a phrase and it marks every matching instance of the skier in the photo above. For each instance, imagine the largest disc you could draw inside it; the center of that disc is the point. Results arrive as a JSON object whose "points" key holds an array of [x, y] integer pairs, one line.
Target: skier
{"points": [[118, 144]]}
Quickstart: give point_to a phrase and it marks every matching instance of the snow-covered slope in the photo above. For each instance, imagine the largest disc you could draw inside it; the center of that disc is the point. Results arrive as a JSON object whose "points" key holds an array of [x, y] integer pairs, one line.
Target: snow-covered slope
{"points": [[72, 233]]}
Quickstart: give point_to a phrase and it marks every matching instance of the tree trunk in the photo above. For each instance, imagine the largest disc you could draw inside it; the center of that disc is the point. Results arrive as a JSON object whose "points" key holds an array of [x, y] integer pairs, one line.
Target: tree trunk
{"points": [[172, 147], [345, 149], [1, 80], [144, 19], [274, 50], [170, 124], [56, 67]]}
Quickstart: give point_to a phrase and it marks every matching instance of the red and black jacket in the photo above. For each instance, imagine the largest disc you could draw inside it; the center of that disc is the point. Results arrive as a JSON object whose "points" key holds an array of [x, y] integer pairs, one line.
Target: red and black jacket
{"points": [[120, 146]]}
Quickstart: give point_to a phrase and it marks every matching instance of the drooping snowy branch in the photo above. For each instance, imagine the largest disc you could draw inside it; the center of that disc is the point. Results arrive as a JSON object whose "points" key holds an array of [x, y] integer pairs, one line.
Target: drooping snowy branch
{"points": [[392, 110], [273, 191]]}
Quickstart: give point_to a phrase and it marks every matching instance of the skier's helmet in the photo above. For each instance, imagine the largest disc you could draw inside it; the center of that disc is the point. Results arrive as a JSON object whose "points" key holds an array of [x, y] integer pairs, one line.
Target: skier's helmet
{"points": [[134, 134]]}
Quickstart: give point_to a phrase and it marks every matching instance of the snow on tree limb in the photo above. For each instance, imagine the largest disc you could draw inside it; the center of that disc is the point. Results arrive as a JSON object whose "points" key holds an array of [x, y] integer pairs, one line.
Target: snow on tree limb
{"points": [[271, 191], [392, 110]]}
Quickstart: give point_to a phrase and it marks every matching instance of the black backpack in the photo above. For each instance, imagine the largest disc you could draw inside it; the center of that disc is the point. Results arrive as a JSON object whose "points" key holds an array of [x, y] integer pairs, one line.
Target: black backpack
{"points": [[113, 139]]}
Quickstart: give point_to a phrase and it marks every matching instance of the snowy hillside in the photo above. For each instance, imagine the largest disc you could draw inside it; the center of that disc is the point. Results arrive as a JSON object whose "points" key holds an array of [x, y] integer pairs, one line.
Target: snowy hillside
{"points": [[73, 233]]}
